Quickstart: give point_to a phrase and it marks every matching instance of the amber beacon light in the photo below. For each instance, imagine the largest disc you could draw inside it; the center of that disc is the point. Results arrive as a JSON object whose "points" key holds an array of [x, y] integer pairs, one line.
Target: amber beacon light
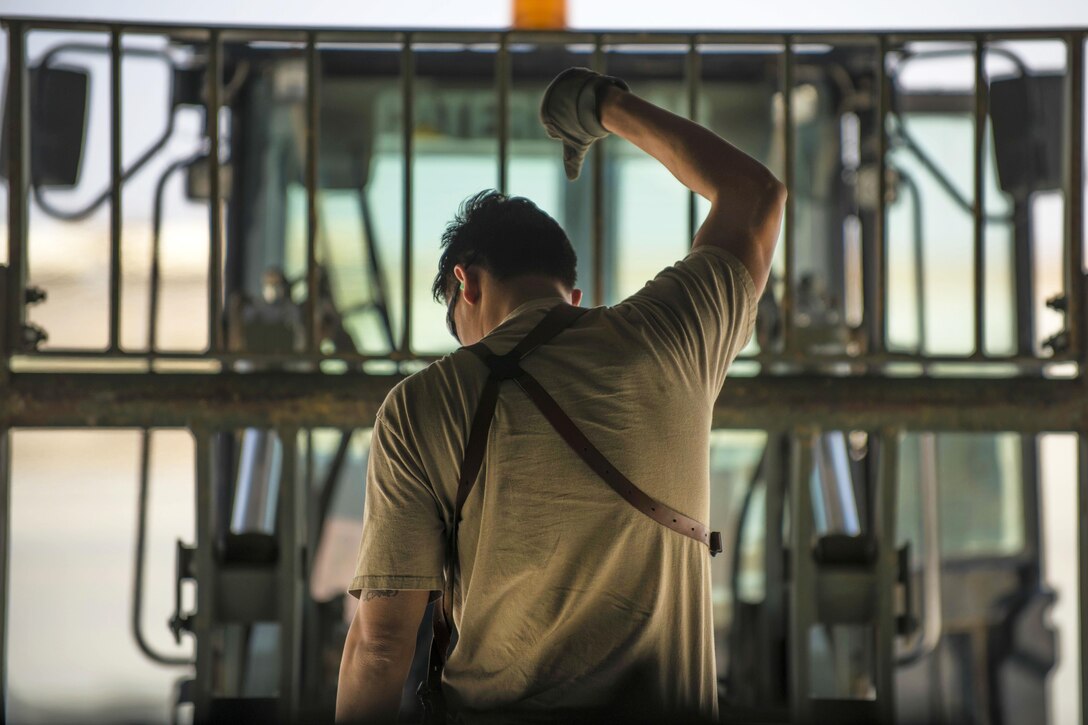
{"points": [[540, 14]]}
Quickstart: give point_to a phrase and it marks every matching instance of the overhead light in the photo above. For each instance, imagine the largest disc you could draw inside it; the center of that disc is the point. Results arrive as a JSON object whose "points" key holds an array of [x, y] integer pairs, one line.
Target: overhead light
{"points": [[540, 14]]}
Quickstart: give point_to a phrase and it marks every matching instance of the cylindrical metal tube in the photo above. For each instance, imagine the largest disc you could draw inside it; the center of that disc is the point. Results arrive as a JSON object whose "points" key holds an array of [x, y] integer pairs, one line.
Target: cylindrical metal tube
{"points": [[692, 70], [5, 557], [115, 190], [291, 537], [598, 196], [502, 72], [408, 119], [312, 309], [18, 140], [878, 322], [887, 499], [978, 209], [1074, 210], [1082, 559], [788, 150], [215, 208], [206, 595]]}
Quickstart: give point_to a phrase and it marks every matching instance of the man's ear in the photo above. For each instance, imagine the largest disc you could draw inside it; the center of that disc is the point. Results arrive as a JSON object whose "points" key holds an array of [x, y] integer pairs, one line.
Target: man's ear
{"points": [[469, 279], [576, 297]]}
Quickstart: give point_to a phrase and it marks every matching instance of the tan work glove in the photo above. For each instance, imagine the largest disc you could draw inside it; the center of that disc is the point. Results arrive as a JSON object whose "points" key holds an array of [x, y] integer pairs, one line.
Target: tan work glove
{"points": [[570, 112]]}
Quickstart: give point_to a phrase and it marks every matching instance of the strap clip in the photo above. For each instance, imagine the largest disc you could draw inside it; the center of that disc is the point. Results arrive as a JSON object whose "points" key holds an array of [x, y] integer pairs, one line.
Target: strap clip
{"points": [[715, 543]]}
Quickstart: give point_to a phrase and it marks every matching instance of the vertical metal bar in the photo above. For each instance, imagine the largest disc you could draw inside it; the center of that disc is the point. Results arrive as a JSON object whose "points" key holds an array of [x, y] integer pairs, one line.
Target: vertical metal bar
{"points": [[292, 528], [408, 115], [788, 258], [802, 588], [1074, 200], [5, 554], [1082, 566], [598, 195], [885, 629], [502, 72], [115, 190], [777, 453], [313, 332], [978, 209], [204, 622], [878, 318], [18, 140], [155, 278], [692, 68], [215, 208]]}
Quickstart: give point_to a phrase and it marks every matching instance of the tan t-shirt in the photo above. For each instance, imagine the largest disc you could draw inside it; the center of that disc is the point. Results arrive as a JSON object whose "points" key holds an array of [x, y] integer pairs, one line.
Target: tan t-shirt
{"points": [[568, 597]]}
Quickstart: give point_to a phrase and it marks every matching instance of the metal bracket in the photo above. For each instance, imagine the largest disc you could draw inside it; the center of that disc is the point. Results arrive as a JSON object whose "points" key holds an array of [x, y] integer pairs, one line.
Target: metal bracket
{"points": [[1059, 342], [184, 569]]}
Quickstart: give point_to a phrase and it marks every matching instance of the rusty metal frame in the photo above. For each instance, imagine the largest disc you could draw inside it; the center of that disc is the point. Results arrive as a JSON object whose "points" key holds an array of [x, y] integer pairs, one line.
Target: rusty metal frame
{"points": [[870, 400], [762, 402]]}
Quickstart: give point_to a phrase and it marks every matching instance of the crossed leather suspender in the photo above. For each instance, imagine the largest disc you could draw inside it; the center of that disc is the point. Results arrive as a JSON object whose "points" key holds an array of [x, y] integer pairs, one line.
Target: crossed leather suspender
{"points": [[507, 367]]}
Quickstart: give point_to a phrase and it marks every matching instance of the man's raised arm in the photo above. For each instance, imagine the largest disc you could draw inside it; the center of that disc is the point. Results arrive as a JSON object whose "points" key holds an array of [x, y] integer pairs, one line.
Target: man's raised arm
{"points": [[581, 106], [746, 199]]}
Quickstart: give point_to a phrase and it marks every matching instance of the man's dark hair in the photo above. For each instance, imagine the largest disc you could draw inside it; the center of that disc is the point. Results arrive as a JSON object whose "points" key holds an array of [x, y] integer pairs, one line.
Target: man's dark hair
{"points": [[509, 236]]}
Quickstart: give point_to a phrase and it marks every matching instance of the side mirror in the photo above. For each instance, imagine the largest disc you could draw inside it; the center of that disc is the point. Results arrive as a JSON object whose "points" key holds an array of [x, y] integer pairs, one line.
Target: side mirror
{"points": [[58, 126], [1028, 117]]}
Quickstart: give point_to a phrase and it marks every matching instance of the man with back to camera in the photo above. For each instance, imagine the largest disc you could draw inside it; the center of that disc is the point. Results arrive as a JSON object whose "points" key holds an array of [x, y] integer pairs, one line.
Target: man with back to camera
{"points": [[576, 589]]}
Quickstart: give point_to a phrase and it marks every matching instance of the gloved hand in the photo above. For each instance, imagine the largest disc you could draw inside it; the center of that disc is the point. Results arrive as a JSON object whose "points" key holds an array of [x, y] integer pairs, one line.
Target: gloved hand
{"points": [[570, 112]]}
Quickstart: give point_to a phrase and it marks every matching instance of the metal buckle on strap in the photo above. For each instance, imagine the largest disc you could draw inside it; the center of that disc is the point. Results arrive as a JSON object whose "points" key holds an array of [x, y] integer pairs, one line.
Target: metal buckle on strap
{"points": [[715, 543]]}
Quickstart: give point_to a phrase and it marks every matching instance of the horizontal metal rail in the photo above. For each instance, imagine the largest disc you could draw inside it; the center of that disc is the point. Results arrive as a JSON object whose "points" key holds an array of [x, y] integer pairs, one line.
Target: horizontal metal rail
{"points": [[301, 400], [772, 361]]}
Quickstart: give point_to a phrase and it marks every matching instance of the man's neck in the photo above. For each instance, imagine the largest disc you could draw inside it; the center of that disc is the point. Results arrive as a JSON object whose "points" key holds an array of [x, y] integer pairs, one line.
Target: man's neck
{"points": [[505, 297]]}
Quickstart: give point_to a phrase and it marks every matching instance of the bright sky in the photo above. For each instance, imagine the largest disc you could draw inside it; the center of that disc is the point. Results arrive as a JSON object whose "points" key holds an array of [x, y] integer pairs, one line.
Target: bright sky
{"points": [[611, 14]]}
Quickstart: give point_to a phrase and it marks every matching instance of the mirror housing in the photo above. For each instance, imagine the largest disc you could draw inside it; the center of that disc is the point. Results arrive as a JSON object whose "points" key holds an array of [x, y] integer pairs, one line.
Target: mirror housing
{"points": [[58, 126]]}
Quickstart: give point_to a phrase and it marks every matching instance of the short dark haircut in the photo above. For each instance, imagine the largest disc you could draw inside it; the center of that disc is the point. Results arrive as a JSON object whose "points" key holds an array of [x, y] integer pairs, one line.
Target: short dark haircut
{"points": [[509, 236]]}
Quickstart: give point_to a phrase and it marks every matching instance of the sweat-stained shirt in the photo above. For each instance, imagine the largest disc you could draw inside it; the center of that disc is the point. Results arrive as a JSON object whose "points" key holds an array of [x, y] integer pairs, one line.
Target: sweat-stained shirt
{"points": [[568, 597]]}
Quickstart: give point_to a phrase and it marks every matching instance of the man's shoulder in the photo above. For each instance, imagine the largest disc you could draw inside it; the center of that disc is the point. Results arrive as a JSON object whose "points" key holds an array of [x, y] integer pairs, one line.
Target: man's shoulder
{"points": [[431, 388]]}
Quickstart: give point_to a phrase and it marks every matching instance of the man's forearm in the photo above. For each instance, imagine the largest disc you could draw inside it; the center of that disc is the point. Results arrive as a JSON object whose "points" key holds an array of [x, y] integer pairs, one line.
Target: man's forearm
{"points": [[369, 687], [700, 159], [378, 653]]}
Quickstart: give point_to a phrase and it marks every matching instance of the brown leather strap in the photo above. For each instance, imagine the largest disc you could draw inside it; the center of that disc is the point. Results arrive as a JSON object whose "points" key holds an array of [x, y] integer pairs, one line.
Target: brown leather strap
{"points": [[476, 445], [567, 429]]}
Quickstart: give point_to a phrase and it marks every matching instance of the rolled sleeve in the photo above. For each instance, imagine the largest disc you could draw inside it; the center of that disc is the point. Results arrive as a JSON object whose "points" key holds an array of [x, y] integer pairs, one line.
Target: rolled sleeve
{"points": [[403, 541]]}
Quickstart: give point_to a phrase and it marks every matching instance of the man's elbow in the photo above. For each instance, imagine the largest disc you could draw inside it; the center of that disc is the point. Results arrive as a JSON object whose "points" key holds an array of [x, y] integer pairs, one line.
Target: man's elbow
{"points": [[763, 193], [389, 651], [769, 195], [372, 675], [777, 192]]}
